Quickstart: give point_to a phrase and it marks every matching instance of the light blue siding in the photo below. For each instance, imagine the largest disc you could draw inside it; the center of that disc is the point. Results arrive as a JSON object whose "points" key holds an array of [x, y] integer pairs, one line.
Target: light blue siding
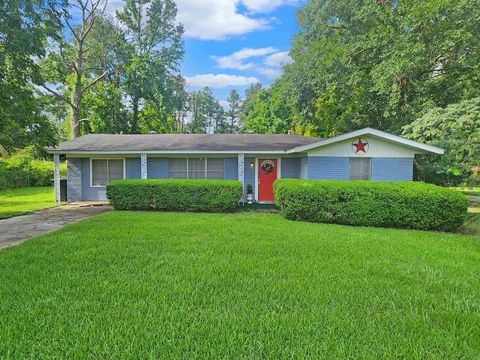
{"points": [[290, 168], [231, 169], [132, 168], [392, 169], [304, 168], [327, 168], [249, 172], [158, 168]]}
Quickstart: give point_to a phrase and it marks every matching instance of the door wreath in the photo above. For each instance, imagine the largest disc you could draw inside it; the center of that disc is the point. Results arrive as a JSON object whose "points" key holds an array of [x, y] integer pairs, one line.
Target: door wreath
{"points": [[267, 166]]}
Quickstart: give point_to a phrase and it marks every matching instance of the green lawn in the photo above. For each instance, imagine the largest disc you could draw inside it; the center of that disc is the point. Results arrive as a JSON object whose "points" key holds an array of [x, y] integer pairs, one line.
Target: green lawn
{"points": [[24, 200], [244, 285], [468, 190]]}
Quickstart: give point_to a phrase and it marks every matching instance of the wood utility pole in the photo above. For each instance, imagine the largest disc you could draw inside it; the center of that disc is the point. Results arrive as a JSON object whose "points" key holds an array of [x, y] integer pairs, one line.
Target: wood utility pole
{"points": [[89, 10]]}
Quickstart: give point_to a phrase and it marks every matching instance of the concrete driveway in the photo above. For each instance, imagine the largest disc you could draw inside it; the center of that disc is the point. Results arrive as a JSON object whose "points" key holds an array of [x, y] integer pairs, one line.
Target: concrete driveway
{"points": [[17, 229]]}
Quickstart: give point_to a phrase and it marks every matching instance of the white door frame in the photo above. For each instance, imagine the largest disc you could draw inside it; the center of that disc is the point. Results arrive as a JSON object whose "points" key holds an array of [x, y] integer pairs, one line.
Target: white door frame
{"points": [[279, 174]]}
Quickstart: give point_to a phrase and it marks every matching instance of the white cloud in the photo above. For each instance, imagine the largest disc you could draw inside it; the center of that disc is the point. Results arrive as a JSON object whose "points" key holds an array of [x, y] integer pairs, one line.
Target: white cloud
{"points": [[267, 5], [278, 59], [214, 19], [219, 80], [274, 64], [235, 60], [270, 65], [219, 19], [271, 73]]}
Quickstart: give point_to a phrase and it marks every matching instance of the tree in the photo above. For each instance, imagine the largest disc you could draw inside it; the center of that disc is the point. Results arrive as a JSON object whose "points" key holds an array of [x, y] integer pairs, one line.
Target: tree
{"points": [[73, 57], [206, 113], [455, 128], [104, 105], [25, 28], [249, 102], [379, 63], [266, 112], [151, 75], [233, 112]]}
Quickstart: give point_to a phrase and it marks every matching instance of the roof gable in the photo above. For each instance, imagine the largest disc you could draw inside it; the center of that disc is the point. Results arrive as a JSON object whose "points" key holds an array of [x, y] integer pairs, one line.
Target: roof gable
{"points": [[418, 147]]}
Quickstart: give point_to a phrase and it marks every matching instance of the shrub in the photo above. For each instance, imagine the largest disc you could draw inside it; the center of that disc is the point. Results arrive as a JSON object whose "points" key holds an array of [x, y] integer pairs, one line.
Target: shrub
{"points": [[413, 205], [23, 170], [175, 195]]}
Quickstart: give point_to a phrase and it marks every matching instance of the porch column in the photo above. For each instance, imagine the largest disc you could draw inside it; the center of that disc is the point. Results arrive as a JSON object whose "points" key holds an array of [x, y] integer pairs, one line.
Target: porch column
{"points": [[143, 166], [56, 176], [241, 170]]}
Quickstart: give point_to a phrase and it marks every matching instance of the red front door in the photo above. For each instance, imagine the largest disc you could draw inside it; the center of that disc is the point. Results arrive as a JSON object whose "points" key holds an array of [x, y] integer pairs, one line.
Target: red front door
{"points": [[267, 174]]}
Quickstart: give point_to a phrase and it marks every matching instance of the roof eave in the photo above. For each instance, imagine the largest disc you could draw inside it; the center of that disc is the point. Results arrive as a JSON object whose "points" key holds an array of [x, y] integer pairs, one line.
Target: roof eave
{"points": [[163, 152]]}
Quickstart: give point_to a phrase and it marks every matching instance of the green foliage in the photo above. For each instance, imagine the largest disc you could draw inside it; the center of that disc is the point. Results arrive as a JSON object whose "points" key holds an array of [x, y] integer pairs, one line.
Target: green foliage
{"points": [[251, 285], [176, 195], [25, 27], [373, 63], [231, 125], [455, 128], [24, 170], [266, 111], [411, 205], [104, 108], [207, 113], [151, 72]]}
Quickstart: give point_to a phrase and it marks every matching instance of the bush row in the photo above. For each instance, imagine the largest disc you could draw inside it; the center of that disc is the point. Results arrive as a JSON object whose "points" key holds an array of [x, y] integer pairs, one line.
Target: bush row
{"points": [[413, 205], [175, 195], [23, 170]]}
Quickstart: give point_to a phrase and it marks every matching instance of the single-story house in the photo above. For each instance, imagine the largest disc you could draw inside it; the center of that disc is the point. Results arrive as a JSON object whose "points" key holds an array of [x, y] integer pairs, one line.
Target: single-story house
{"points": [[254, 159]]}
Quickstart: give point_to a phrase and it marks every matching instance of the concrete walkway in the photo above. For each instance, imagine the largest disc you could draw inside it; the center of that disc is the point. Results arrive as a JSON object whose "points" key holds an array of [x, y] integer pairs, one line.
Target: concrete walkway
{"points": [[474, 198], [17, 229]]}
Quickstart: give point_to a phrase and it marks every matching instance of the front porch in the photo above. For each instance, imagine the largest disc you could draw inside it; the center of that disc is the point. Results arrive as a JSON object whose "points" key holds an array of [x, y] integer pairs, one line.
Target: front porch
{"points": [[88, 176]]}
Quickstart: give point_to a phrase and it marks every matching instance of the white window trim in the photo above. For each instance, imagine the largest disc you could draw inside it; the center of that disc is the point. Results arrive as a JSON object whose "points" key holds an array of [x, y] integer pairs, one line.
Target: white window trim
{"points": [[91, 170], [205, 171]]}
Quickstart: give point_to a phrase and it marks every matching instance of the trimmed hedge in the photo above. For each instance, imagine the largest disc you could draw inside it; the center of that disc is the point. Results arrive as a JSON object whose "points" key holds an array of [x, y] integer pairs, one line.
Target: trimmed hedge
{"points": [[175, 195], [412, 205]]}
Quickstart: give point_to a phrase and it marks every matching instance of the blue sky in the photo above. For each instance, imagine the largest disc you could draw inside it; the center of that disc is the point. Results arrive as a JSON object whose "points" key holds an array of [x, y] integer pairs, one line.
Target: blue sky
{"points": [[232, 43], [256, 54]]}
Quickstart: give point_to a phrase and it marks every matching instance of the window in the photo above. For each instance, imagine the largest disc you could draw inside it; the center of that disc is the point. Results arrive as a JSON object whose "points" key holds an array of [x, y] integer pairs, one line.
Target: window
{"points": [[178, 168], [215, 169], [360, 169], [196, 168], [106, 170]]}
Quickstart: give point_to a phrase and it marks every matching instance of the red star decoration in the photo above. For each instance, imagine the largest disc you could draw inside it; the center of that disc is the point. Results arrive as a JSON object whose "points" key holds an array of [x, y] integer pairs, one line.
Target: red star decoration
{"points": [[360, 146]]}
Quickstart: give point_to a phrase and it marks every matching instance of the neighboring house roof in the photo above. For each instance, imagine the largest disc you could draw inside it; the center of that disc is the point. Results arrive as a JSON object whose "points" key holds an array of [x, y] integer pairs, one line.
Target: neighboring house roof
{"points": [[218, 143], [158, 143], [375, 133]]}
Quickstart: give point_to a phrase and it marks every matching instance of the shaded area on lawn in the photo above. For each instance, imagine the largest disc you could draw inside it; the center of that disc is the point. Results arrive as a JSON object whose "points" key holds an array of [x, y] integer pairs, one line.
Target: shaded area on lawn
{"points": [[24, 200], [145, 284], [472, 222]]}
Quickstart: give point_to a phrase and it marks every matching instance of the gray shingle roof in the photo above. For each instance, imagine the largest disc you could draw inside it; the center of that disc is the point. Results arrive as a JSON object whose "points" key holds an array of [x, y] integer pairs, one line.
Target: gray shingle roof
{"points": [[183, 142]]}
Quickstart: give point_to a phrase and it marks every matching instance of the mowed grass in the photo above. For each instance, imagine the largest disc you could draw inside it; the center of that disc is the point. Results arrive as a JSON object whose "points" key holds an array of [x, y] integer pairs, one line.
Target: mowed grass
{"points": [[474, 191], [244, 285], [24, 200]]}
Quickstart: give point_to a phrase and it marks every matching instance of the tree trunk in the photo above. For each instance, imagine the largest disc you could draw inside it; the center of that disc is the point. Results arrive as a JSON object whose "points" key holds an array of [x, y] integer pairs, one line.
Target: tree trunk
{"points": [[75, 123], [134, 125], [76, 95]]}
